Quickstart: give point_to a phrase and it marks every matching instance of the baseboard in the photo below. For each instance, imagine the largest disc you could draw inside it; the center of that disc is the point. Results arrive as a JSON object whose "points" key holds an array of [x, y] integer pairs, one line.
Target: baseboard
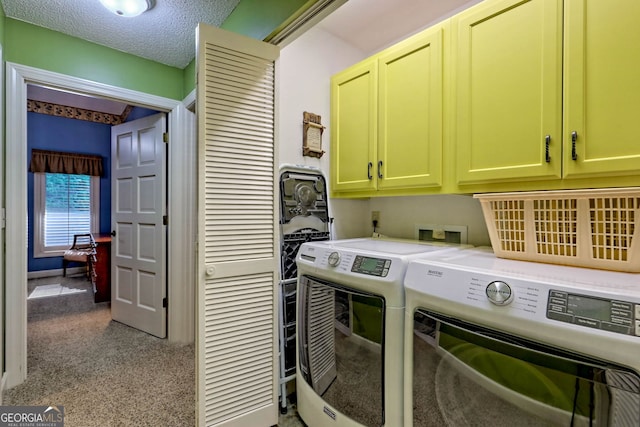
{"points": [[57, 272]]}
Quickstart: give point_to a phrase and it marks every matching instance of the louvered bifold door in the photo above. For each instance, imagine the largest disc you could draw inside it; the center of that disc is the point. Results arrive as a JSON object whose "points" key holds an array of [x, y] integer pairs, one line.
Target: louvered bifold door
{"points": [[237, 238]]}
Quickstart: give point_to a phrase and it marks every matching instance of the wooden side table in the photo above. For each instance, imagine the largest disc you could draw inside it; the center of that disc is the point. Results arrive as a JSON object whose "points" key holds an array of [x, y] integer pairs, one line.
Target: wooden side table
{"points": [[101, 277]]}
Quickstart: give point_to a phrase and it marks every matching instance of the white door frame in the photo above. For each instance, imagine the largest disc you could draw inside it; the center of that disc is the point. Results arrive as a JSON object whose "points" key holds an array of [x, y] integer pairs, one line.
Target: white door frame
{"points": [[181, 249]]}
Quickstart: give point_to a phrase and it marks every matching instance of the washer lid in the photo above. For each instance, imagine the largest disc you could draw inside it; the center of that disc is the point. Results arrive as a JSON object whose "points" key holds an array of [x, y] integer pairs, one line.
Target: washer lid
{"points": [[392, 246], [483, 260]]}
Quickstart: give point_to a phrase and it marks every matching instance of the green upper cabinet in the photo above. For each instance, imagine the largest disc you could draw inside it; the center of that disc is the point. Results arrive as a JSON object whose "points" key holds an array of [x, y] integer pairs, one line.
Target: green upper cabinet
{"points": [[386, 120], [410, 113], [353, 127], [602, 88], [509, 94], [508, 88], [547, 95]]}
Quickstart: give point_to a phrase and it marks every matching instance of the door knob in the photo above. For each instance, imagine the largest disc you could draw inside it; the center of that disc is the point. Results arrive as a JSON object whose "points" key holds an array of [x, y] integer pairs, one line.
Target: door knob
{"points": [[210, 271]]}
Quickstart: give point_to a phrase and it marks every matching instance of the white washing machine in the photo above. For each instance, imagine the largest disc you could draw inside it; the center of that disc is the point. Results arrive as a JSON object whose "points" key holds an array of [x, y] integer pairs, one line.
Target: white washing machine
{"points": [[491, 341], [350, 329]]}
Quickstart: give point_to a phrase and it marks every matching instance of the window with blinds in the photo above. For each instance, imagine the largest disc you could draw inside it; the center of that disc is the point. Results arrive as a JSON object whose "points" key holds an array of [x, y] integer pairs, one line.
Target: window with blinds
{"points": [[64, 205]]}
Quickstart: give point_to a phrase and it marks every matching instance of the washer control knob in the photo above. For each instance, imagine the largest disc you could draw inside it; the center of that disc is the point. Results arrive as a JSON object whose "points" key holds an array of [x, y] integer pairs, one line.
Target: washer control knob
{"points": [[334, 259], [499, 293]]}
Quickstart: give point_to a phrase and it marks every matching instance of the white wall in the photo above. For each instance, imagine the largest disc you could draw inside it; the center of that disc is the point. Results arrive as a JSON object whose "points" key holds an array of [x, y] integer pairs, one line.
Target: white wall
{"points": [[305, 67], [400, 215]]}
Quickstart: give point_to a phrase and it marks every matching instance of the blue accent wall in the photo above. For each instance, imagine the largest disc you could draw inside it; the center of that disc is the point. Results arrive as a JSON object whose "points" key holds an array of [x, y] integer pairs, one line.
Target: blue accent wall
{"points": [[138, 113], [46, 132]]}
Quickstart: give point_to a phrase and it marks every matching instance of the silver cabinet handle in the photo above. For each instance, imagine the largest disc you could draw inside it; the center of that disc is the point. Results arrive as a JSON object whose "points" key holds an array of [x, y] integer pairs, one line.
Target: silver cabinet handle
{"points": [[369, 166], [574, 137], [380, 169]]}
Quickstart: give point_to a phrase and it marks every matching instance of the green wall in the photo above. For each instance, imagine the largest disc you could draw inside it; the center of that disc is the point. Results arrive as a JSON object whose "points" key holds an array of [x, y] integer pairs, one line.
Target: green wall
{"points": [[2, 15], [258, 18], [39, 47], [253, 18], [189, 77], [53, 51]]}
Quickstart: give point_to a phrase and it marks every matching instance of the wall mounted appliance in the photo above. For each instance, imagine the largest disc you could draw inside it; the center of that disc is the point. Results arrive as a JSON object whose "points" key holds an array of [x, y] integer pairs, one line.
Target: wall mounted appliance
{"points": [[491, 341], [304, 217], [350, 329]]}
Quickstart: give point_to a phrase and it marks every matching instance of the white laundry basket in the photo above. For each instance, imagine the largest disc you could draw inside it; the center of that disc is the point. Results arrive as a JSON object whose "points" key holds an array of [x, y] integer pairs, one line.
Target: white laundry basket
{"points": [[587, 228]]}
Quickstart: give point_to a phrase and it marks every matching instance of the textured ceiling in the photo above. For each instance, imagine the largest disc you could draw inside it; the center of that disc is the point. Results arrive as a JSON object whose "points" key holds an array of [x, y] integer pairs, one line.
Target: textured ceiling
{"points": [[164, 34]]}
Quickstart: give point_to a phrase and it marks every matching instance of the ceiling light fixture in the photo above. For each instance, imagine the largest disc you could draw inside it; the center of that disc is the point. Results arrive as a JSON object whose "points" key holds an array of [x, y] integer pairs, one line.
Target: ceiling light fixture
{"points": [[127, 8]]}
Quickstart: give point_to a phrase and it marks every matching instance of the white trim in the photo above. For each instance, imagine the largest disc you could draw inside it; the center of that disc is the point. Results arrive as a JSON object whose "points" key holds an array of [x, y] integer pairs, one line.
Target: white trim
{"points": [[3, 383], [3, 282], [182, 227], [16, 291], [308, 19], [17, 77], [190, 101]]}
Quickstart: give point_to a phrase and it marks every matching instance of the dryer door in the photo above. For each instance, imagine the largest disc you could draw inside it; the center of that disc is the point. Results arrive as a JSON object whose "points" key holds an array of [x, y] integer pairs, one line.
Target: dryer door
{"points": [[465, 374], [340, 344]]}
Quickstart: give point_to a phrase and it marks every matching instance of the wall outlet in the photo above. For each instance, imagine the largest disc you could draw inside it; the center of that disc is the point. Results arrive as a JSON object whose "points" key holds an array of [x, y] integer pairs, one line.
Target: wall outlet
{"points": [[375, 216]]}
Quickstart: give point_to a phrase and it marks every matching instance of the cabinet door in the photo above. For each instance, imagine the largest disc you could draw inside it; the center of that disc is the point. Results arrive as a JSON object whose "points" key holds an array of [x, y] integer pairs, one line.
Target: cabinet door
{"points": [[353, 128], [602, 87], [410, 113], [508, 91]]}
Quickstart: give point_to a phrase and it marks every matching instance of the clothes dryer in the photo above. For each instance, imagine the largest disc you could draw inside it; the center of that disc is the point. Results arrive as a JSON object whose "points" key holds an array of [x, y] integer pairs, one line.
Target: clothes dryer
{"points": [[350, 329]]}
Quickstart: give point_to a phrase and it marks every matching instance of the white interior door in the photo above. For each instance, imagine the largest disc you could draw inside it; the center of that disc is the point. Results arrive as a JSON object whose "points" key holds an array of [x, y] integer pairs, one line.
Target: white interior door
{"points": [[138, 203], [238, 263]]}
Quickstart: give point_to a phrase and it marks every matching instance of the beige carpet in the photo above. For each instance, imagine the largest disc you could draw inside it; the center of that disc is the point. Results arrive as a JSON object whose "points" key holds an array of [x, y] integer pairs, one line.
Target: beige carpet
{"points": [[104, 373]]}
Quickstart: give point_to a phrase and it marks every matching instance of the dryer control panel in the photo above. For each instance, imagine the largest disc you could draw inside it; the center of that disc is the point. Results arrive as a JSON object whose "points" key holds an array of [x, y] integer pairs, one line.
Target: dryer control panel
{"points": [[372, 266], [599, 313]]}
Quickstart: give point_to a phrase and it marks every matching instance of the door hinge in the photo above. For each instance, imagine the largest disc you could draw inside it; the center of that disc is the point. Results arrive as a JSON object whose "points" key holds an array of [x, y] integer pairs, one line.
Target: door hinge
{"points": [[165, 220], [165, 303], [165, 137]]}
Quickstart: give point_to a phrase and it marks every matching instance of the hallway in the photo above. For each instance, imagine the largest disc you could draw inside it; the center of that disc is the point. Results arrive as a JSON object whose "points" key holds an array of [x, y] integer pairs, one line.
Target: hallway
{"points": [[103, 372]]}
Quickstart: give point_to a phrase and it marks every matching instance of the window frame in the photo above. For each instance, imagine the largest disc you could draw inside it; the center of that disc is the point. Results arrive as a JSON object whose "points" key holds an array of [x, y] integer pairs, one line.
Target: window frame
{"points": [[39, 204]]}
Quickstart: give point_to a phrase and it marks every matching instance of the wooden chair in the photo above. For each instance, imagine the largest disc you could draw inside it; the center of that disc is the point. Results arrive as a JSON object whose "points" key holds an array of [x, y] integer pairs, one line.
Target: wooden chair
{"points": [[83, 250]]}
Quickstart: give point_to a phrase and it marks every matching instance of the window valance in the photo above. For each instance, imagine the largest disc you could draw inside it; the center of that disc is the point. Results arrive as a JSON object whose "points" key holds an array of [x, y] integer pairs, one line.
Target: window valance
{"points": [[61, 162]]}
